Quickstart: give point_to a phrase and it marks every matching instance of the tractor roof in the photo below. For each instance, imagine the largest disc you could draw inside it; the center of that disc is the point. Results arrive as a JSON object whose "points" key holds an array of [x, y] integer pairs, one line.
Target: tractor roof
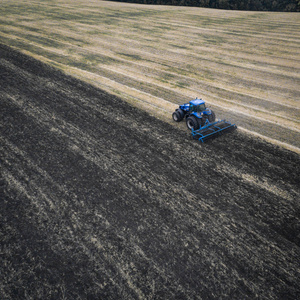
{"points": [[197, 102]]}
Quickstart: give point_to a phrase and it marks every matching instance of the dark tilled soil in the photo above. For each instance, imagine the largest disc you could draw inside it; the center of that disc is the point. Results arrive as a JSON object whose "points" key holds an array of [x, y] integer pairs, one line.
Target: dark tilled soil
{"points": [[102, 201]]}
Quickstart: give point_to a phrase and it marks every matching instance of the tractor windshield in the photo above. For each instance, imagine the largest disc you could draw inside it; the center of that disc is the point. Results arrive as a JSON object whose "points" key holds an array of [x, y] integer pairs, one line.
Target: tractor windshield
{"points": [[199, 108]]}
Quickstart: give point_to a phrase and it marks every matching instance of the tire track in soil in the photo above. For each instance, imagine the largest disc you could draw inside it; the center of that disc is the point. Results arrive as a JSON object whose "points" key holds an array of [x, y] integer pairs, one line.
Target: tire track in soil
{"points": [[140, 211]]}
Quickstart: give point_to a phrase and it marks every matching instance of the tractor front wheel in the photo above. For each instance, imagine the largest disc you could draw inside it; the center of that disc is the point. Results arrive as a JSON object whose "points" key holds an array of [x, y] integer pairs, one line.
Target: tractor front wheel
{"points": [[192, 123], [178, 115]]}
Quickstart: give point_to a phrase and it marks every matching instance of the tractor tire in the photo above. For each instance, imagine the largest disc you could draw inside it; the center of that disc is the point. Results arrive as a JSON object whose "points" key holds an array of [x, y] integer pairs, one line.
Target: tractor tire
{"points": [[181, 113], [202, 121], [176, 116], [212, 117], [192, 123]]}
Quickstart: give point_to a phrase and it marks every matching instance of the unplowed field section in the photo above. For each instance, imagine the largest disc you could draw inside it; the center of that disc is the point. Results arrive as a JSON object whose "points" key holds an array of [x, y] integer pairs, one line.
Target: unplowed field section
{"points": [[100, 200], [244, 64]]}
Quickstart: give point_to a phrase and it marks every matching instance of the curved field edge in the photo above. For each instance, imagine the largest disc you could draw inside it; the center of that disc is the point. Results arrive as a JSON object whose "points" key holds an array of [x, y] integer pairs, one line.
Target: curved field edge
{"points": [[101, 200], [244, 64]]}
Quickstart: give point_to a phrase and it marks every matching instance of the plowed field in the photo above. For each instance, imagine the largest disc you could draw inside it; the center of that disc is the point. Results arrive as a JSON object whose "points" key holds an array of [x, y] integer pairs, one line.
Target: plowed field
{"points": [[100, 200], [244, 64]]}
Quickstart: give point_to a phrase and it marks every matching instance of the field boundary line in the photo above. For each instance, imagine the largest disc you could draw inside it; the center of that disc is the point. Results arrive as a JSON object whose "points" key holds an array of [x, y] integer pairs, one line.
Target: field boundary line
{"points": [[68, 69]]}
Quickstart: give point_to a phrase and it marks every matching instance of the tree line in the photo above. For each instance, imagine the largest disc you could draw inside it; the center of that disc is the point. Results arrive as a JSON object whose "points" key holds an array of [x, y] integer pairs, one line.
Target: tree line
{"points": [[255, 5]]}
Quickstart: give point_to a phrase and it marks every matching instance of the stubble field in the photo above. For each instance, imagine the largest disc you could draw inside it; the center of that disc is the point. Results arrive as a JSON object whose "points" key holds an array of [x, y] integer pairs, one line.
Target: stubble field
{"points": [[100, 200], [244, 64]]}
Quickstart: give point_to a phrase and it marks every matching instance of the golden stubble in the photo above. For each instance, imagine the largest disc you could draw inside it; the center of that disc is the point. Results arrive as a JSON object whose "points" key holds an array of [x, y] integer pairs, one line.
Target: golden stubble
{"points": [[156, 57]]}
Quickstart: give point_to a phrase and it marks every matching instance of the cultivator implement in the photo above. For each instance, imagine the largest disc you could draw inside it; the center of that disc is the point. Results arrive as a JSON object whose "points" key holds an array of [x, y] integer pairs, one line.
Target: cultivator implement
{"points": [[211, 130]]}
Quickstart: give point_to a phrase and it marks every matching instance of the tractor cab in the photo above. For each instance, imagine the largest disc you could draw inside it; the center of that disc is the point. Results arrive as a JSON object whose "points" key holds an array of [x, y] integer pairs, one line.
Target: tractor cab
{"points": [[197, 106]]}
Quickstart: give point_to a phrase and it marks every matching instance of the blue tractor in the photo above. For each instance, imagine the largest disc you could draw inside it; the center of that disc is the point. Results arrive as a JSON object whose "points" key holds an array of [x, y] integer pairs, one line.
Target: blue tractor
{"points": [[201, 120]]}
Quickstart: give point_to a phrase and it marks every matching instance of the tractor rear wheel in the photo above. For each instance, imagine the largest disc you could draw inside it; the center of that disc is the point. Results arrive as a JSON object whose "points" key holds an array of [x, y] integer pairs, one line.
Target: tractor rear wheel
{"points": [[212, 117], [192, 123]]}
